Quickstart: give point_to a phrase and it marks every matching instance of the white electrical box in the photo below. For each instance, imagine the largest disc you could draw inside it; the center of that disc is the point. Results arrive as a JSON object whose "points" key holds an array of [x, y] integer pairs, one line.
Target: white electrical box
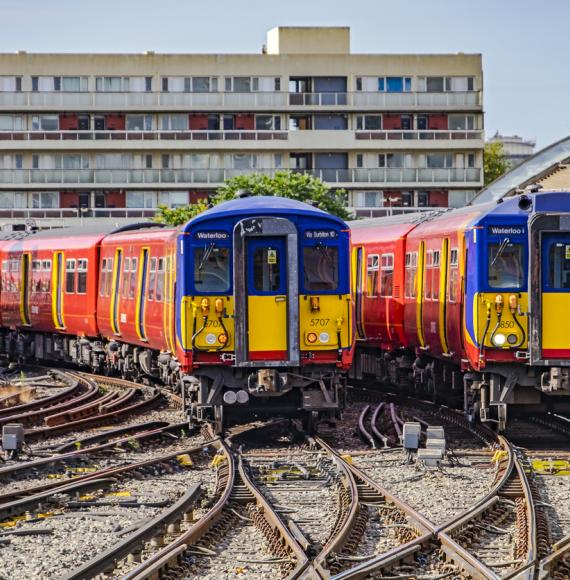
{"points": [[12, 437], [411, 435]]}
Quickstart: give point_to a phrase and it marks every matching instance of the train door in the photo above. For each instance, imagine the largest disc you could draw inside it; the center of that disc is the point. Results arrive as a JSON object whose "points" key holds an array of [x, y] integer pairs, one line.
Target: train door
{"points": [[141, 300], [267, 298], [116, 296], [555, 296], [25, 289], [420, 294], [57, 285], [359, 293], [266, 280], [443, 297]]}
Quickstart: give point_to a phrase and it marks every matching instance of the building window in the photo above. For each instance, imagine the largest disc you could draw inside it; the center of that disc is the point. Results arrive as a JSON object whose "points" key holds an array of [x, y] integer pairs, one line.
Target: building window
{"points": [[10, 84], [148, 84], [139, 123], [45, 123], [359, 160], [369, 122], [173, 198], [267, 123], [358, 83], [45, 200], [141, 199], [174, 122], [395, 84], [372, 275], [112, 84], [69, 84], [18, 161], [446, 84], [277, 84], [70, 161], [461, 122], [439, 160], [244, 161], [11, 123], [201, 84], [396, 160]]}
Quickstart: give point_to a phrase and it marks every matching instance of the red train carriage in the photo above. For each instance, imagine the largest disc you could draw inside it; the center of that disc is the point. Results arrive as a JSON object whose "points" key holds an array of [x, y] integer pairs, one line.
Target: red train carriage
{"points": [[136, 285]]}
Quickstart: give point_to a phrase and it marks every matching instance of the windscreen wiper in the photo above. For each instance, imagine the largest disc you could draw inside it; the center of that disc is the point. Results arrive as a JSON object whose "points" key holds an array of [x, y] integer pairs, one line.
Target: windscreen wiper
{"points": [[207, 252], [501, 249]]}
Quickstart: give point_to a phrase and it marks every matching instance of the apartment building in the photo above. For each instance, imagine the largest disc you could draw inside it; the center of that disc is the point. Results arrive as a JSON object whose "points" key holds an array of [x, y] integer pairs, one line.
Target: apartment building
{"points": [[87, 136]]}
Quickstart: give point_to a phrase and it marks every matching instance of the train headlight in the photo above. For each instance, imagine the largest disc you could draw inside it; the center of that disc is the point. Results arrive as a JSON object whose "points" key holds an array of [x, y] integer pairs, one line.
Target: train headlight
{"points": [[211, 338], [223, 338], [324, 337], [499, 339], [311, 338], [512, 339]]}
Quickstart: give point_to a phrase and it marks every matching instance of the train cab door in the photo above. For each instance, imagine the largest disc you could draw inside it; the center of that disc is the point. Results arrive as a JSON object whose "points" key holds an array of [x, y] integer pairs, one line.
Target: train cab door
{"points": [[267, 298], [57, 292], [266, 287], [555, 296]]}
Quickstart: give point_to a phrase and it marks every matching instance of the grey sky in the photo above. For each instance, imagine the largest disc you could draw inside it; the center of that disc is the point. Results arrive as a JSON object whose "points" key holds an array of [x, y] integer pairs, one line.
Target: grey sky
{"points": [[524, 43]]}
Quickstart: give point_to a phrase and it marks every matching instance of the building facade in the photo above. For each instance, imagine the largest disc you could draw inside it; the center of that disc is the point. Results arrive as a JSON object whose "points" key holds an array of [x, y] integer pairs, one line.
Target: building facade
{"points": [[112, 136], [516, 148]]}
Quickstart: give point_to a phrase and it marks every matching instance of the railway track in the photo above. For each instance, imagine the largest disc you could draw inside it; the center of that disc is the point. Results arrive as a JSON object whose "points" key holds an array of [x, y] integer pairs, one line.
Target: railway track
{"points": [[341, 505]]}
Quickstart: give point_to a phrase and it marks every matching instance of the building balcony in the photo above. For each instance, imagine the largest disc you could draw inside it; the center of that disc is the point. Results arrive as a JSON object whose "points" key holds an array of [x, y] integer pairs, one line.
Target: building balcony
{"points": [[316, 139], [41, 179], [258, 101]]}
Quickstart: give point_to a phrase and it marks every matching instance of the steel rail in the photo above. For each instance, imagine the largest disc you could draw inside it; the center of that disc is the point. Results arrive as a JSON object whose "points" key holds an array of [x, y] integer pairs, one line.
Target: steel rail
{"points": [[11, 497], [81, 454], [108, 559], [557, 564], [172, 554]]}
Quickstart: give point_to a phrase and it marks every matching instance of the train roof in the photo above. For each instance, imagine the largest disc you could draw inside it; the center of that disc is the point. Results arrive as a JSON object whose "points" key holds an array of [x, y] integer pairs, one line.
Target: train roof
{"points": [[261, 205]]}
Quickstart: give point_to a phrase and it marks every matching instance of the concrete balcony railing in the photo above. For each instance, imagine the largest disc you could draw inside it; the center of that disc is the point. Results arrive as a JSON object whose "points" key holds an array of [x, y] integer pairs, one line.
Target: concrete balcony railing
{"points": [[275, 101], [431, 135], [188, 178], [144, 135], [239, 135]]}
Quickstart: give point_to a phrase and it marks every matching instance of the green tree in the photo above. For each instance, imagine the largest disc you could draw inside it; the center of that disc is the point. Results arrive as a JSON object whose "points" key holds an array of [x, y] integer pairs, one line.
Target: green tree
{"points": [[299, 186], [494, 161]]}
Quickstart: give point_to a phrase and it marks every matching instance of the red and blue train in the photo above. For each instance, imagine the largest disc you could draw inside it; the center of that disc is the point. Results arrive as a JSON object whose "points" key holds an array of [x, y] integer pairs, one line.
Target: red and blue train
{"points": [[470, 304], [265, 303], [248, 306]]}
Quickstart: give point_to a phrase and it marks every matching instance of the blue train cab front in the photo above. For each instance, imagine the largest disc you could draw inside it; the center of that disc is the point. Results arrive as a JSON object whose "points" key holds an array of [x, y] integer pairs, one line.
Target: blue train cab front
{"points": [[264, 297]]}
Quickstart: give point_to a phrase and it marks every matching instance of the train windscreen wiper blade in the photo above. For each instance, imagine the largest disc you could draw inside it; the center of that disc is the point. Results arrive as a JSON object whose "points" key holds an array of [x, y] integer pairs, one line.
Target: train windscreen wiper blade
{"points": [[501, 249], [207, 253]]}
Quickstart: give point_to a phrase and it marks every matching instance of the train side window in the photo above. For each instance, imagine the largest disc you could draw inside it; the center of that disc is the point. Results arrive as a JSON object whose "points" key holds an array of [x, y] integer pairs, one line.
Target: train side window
{"points": [[160, 280], [70, 268], [126, 274], [103, 277], [36, 285], [505, 265], [435, 274], [386, 275], [109, 278], [82, 276], [46, 276], [5, 275], [410, 274], [372, 268], [133, 279], [152, 278], [453, 275], [428, 275]]}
